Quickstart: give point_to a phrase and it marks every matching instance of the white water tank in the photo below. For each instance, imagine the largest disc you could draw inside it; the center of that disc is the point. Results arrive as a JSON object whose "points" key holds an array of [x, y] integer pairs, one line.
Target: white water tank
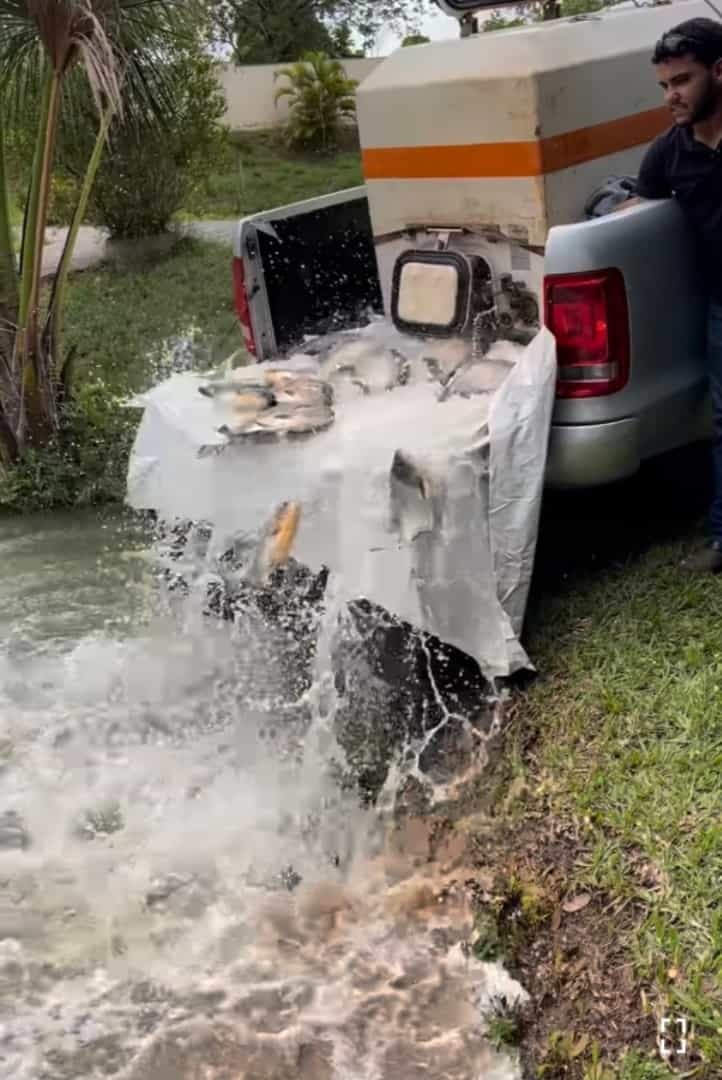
{"points": [[512, 129]]}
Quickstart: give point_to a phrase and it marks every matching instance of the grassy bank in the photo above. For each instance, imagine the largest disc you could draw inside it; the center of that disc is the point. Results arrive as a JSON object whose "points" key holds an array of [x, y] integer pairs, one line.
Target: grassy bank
{"points": [[606, 833], [126, 329], [259, 172]]}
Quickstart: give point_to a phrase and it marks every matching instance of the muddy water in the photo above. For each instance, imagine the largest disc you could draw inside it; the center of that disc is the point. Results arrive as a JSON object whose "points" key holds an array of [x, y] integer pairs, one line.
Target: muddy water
{"points": [[185, 891]]}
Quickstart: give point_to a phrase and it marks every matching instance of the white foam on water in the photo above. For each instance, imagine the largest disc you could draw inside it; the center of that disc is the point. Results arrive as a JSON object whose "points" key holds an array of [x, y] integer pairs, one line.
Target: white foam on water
{"points": [[145, 930], [186, 890]]}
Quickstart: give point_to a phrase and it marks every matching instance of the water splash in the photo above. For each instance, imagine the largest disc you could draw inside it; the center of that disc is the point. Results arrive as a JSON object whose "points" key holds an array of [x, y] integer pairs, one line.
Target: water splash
{"points": [[190, 887]]}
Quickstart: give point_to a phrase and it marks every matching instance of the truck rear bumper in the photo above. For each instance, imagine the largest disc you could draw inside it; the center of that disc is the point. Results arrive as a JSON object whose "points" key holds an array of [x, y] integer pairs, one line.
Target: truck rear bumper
{"points": [[587, 455]]}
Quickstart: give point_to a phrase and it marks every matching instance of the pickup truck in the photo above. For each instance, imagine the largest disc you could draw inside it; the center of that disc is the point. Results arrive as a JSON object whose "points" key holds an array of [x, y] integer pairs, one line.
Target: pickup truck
{"points": [[618, 292]]}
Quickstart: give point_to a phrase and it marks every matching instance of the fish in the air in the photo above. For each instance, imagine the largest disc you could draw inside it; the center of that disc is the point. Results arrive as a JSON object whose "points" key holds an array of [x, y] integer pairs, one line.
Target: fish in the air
{"points": [[412, 502], [248, 397], [293, 419], [305, 390], [482, 376], [274, 547], [408, 472]]}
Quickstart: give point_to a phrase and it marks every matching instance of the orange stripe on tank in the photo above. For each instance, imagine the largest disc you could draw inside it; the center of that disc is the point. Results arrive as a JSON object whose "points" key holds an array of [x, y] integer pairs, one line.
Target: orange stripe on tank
{"points": [[535, 157]]}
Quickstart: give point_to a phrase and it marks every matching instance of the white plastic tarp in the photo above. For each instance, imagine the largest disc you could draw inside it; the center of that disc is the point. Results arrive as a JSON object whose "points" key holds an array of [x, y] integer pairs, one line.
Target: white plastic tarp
{"points": [[452, 555]]}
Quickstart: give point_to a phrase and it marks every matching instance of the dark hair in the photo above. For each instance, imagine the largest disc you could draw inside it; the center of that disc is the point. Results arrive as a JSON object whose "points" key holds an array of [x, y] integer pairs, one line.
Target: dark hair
{"points": [[698, 38]]}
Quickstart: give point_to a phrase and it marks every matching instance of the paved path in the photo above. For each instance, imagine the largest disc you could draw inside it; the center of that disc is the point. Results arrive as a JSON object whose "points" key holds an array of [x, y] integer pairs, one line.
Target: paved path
{"points": [[89, 248], [92, 244], [215, 232]]}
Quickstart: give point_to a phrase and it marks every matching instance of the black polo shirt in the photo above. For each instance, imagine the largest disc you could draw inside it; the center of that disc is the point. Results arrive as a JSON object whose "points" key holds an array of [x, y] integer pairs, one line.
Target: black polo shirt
{"points": [[678, 164]]}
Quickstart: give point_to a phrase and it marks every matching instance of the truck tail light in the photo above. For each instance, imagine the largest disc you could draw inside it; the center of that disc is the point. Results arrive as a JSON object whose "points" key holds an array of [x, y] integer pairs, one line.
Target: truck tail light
{"points": [[588, 316], [242, 308]]}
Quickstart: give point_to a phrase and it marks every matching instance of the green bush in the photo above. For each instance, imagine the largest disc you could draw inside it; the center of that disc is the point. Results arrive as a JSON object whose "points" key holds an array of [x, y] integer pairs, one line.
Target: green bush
{"points": [[84, 465], [148, 172], [321, 99], [128, 329]]}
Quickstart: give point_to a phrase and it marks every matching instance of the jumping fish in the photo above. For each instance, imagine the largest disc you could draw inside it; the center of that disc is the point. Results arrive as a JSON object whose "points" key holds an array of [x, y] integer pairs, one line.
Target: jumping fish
{"points": [[412, 503], [407, 472], [252, 399], [482, 376], [241, 397], [294, 419], [305, 390], [369, 363], [275, 545]]}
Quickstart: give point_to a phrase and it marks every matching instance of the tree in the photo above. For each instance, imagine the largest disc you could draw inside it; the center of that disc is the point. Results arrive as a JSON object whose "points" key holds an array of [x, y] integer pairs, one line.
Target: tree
{"points": [[276, 31], [49, 50], [526, 14], [414, 39], [321, 97], [136, 193], [237, 23], [343, 45]]}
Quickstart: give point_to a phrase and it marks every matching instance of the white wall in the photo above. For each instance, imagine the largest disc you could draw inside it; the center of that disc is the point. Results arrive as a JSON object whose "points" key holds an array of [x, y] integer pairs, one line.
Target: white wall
{"points": [[249, 92]]}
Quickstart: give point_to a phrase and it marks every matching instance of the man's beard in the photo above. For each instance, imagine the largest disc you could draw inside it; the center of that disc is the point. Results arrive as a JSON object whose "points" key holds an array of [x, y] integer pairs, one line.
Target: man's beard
{"points": [[707, 105]]}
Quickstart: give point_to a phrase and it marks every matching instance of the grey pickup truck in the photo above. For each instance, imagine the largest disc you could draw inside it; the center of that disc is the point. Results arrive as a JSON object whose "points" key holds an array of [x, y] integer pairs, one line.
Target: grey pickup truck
{"points": [[618, 292]]}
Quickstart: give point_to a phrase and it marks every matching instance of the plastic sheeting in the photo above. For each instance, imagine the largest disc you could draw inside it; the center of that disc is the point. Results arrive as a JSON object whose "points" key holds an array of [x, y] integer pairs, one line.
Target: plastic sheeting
{"points": [[423, 500]]}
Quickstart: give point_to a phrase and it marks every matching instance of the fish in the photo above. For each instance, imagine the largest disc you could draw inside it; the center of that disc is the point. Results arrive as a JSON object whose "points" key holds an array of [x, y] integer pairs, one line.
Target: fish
{"points": [[274, 546], [434, 368], [214, 389], [406, 471], [213, 449], [300, 389], [481, 376], [403, 368], [321, 346], [445, 357], [296, 419], [252, 399], [238, 428], [241, 397], [412, 503]]}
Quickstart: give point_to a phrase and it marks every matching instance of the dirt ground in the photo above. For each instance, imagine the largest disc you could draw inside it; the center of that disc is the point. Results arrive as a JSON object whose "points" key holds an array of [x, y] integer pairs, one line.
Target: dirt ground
{"points": [[569, 949]]}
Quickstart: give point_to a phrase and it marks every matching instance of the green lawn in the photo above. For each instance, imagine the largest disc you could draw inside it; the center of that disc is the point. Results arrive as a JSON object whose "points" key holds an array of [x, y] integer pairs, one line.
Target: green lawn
{"points": [[123, 322], [620, 741], [261, 173]]}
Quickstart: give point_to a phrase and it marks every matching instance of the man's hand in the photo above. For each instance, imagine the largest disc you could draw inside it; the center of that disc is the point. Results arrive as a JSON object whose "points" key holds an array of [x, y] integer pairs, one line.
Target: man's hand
{"points": [[636, 201]]}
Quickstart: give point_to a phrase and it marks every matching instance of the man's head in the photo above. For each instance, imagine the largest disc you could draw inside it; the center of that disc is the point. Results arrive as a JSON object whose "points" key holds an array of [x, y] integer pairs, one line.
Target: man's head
{"points": [[688, 60]]}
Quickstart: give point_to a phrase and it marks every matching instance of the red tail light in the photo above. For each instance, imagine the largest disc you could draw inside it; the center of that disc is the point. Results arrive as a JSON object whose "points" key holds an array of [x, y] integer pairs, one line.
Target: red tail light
{"points": [[242, 308], [587, 313]]}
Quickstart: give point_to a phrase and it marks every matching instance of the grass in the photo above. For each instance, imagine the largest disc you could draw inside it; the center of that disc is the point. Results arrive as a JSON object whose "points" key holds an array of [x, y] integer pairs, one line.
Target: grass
{"points": [[129, 324], [260, 173], [627, 747]]}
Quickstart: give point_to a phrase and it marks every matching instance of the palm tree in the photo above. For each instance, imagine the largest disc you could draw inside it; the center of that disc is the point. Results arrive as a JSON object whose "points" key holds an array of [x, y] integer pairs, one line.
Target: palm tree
{"points": [[321, 97], [56, 49]]}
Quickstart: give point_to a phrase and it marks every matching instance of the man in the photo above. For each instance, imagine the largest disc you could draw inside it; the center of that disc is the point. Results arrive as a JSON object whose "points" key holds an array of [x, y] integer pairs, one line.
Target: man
{"points": [[686, 162]]}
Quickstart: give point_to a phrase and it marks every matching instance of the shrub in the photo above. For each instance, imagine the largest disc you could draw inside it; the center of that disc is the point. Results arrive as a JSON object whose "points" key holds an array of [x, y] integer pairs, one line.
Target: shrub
{"points": [[83, 465], [147, 172], [321, 98]]}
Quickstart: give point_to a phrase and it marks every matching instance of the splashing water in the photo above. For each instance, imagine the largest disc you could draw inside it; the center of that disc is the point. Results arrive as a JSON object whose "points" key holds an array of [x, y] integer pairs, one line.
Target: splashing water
{"points": [[190, 889]]}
